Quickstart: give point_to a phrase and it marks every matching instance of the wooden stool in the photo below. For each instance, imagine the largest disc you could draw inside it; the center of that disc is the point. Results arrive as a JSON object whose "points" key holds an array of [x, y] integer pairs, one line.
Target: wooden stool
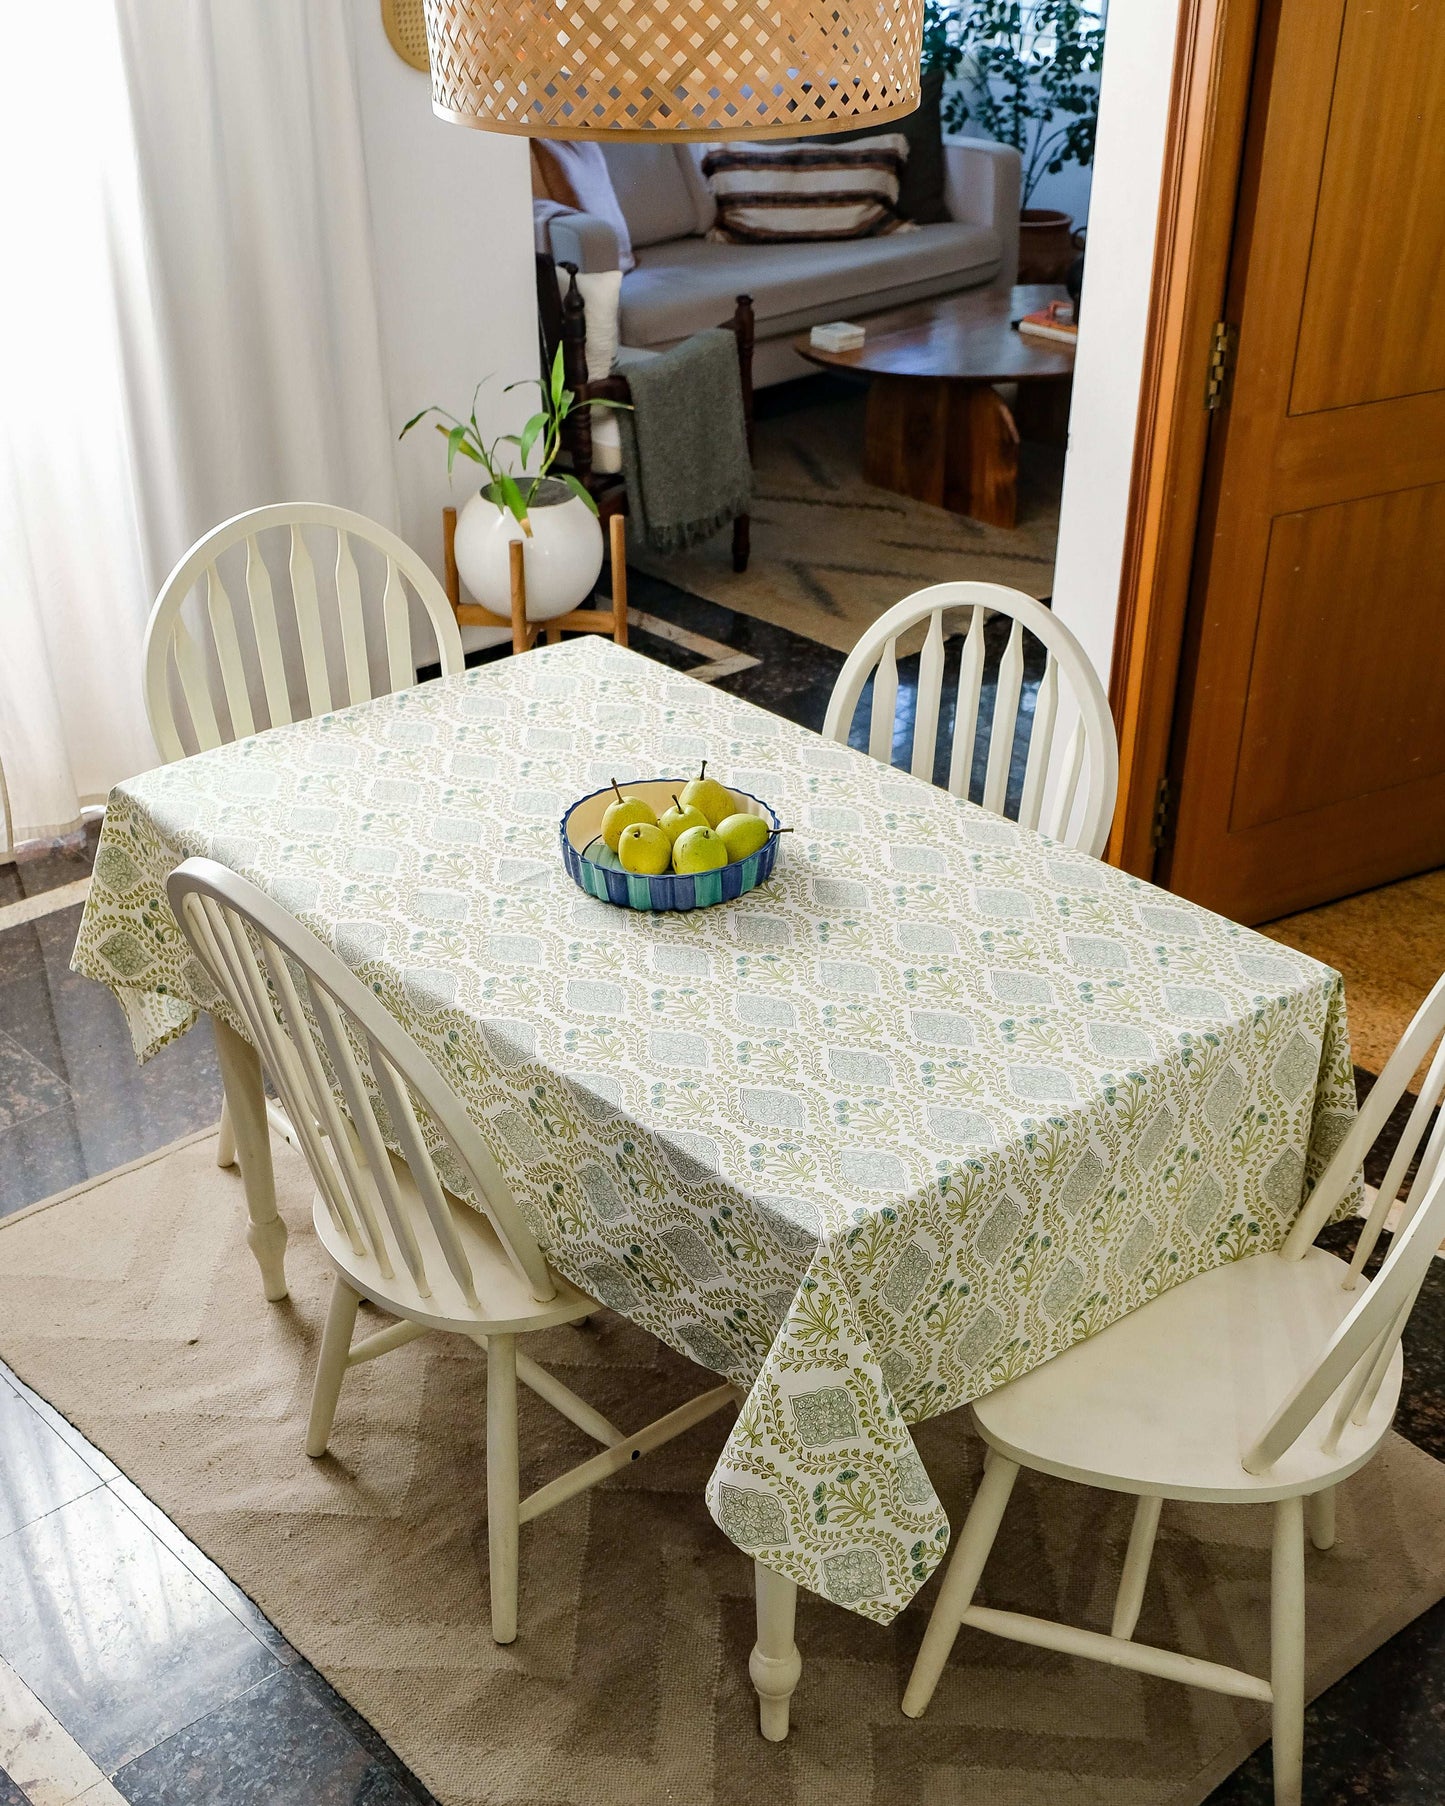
{"points": [[524, 633]]}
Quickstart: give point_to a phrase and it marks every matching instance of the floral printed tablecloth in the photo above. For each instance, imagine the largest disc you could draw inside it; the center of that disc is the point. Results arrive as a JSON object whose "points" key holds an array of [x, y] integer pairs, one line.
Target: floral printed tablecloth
{"points": [[941, 1099]]}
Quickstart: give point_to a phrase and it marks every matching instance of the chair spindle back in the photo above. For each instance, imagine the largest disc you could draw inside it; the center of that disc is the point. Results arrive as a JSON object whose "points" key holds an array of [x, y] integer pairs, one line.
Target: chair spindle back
{"points": [[1056, 795], [322, 1035], [1357, 1357], [229, 661]]}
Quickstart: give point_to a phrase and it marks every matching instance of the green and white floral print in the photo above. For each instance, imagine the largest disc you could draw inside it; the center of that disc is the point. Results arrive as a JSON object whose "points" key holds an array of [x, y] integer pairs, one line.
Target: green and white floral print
{"points": [[940, 1100]]}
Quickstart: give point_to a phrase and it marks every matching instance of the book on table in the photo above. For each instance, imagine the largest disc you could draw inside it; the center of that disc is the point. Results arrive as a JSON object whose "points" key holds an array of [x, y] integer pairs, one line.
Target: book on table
{"points": [[1056, 321]]}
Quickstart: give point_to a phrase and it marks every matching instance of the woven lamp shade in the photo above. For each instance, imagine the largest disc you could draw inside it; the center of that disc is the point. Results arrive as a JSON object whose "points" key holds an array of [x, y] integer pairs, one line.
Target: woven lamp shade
{"points": [[704, 69]]}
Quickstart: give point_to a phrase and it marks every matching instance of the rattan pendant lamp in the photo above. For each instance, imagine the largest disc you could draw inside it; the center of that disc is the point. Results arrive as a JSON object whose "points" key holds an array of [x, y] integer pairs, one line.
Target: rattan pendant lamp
{"points": [[654, 69]]}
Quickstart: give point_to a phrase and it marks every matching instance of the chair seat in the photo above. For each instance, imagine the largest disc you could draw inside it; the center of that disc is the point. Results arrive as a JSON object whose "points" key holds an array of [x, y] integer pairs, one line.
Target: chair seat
{"points": [[1169, 1399], [504, 1304]]}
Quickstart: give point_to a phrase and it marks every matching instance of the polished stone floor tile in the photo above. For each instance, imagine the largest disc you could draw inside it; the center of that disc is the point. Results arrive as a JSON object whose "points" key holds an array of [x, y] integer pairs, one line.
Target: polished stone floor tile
{"points": [[101, 1465], [41, 1758], [28, 1088], [113, 1633], [204, 1569], [10, 1794], [278, 1745], [20, 954], [103, 1110], [52, 864], [370, 1739], [39, 1471]]}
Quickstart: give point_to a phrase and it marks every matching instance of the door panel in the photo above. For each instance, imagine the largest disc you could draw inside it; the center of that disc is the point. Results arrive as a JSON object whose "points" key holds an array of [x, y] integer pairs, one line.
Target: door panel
{"points": [[1310, 743], [1320, 636], [1367, 331]]}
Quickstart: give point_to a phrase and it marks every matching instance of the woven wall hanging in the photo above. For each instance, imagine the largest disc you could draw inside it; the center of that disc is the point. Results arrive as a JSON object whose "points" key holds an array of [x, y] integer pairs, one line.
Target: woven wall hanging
{"points": [[690, 69], [405, 22]]}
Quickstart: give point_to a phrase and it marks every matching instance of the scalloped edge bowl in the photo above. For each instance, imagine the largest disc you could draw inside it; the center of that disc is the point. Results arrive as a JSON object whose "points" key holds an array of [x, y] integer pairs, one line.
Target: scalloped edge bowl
{"points": [[581, 828]]}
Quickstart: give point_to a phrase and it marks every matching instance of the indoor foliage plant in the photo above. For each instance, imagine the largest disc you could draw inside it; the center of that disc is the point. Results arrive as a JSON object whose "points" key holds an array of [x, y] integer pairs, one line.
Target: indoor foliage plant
{"points": [[549, 509], [1028, 75]]}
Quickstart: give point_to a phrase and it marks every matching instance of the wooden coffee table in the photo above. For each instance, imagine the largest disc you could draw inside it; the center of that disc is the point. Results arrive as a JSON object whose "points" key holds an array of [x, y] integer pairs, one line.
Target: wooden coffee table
{"points": [[937, 429]]}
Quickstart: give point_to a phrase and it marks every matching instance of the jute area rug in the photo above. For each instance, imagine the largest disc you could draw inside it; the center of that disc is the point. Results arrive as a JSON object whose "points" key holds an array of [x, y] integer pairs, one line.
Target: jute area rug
{"points": [[134, 1306], [831, 553]]}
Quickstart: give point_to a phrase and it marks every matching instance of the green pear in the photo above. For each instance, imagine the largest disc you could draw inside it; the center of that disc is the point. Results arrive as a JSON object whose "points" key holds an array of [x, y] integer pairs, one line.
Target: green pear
{"points": [[714, 800], [622, 814], [743, 834], [698, 850], [679, 818], [643, 847]]}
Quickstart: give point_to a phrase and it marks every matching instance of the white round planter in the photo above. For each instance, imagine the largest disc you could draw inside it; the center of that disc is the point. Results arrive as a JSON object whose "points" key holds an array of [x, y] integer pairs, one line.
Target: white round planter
{"points": [[562, 557]]}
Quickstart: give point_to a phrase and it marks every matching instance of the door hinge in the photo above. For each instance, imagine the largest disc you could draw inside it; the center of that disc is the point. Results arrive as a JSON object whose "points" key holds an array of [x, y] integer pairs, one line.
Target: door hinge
{"points": [[1222, 345], [1166, 805]]}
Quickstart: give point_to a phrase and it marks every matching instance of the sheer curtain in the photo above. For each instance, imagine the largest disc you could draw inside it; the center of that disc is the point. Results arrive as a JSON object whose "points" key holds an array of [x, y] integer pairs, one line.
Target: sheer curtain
{"points": [[188, 328]]}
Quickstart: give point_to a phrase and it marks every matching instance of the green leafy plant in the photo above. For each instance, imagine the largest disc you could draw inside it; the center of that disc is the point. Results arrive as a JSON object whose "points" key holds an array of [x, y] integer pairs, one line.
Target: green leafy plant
{"points": [[1029, 76], [543, 433]]}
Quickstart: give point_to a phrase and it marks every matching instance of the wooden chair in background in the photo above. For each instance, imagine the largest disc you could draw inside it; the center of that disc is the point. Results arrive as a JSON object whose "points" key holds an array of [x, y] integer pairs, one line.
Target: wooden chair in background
{"points": [[562, 320]]}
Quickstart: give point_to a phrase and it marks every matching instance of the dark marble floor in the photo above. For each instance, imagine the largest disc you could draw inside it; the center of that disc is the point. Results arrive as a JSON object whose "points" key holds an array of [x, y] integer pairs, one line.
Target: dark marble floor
{"points": [[161, 1670], [73, 1102]]}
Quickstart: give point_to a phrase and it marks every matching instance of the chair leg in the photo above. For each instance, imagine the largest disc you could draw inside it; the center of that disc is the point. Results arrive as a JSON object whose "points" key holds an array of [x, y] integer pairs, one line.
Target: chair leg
{"points": [[225, 1138], [1320, 1517], [961, 1581], [775, 1665], [1287, 1650], [1136, 1567], [502, 1483], [742, 541], [331, 1367], [246, 1101]]}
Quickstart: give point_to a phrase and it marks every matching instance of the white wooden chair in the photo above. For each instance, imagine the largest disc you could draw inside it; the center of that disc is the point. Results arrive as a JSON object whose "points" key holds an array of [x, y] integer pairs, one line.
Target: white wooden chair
{"points": [[230, 676], [1051, 796], [1264, 1382], [390, 1225]]}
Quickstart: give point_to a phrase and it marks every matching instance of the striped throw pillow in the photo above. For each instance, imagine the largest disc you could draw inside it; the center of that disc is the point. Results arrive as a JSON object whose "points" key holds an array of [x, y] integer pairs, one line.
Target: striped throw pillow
{"points": [[778, 193]]}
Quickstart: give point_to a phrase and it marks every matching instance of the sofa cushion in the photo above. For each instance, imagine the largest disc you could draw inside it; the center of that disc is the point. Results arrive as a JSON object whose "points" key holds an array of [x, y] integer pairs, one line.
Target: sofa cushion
{"points": [[653, 191], [920, 195], [791, 192], [680, 287]]}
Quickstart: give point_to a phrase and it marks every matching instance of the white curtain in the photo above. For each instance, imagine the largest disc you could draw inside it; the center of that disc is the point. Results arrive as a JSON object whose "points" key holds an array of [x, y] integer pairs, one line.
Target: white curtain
{"points": [[188, 328]]}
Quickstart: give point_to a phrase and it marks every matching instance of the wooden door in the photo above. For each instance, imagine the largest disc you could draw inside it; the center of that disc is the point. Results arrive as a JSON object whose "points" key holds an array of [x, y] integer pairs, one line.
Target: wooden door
{"points": [[1309, 756]]}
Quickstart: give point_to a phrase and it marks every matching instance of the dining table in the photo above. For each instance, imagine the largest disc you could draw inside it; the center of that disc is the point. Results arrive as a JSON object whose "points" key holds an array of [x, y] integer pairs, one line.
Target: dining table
{"points": [[941, 1099]]}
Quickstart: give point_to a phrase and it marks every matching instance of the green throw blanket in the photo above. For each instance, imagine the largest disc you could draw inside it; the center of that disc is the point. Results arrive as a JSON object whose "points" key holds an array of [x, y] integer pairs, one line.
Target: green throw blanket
{"points": [[684, 441]]}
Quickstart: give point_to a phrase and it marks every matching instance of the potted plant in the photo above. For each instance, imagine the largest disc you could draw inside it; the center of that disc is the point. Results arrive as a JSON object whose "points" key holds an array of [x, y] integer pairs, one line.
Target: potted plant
{"points": [[552, 514], [1028, 76]]}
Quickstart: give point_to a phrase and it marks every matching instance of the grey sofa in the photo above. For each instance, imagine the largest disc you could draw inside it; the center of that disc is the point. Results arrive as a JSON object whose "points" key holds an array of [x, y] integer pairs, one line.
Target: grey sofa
{"points": [[682, 283]]}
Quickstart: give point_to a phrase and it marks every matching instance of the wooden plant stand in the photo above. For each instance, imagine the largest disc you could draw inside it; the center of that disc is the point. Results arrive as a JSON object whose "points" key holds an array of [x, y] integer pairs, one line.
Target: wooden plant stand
{"points": [[611, 620]]}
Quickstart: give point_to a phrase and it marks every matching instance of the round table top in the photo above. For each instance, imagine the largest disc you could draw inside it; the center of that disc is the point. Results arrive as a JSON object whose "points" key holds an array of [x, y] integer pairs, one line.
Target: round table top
{"points": [[969, 336]]}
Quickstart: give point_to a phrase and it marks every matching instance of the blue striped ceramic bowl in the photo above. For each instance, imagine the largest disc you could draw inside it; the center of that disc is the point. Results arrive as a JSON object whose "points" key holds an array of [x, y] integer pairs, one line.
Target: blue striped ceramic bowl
{"points": [[594, 866]]}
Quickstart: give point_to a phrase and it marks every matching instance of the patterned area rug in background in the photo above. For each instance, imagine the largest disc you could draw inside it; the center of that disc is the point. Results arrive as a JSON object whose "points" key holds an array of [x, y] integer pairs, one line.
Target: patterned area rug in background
{"points": [[830, 553], [134, 1306]]}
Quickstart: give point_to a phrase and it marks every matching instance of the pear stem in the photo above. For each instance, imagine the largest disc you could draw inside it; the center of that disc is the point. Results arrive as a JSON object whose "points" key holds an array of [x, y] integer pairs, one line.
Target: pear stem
{"points": [[676, 805], [620, 797], [703, 773], [782, 830]]}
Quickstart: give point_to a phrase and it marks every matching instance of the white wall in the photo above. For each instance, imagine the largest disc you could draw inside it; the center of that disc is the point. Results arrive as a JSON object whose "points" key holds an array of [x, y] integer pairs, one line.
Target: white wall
{"points": [[451, 217], [1133, 117]]}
